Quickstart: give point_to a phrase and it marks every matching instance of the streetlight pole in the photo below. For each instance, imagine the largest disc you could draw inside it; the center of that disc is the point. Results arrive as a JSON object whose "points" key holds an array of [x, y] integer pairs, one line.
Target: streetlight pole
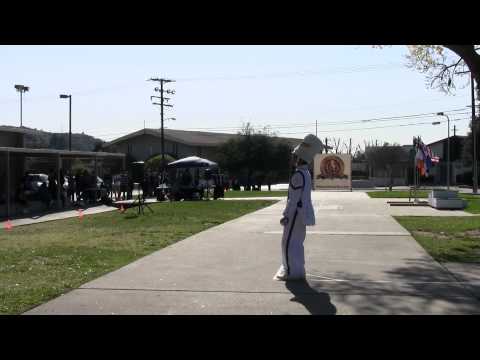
{"points": [[69, 119], [448, 149], [474, 133], [21, 89]]}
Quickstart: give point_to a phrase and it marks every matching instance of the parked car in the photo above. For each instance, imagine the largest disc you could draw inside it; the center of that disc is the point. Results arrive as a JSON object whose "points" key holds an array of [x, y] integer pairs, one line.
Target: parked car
{"points": [[34, 181]]}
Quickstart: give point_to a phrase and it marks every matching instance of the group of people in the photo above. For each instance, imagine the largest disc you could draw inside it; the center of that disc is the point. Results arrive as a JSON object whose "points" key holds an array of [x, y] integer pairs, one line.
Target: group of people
{"points": [[121, 186], [197, 186], [73, 189]]}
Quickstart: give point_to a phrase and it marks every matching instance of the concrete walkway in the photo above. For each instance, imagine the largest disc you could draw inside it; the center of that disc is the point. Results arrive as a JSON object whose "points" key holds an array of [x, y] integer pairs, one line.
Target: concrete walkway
{"points": [[359, 261], [57, 215]]}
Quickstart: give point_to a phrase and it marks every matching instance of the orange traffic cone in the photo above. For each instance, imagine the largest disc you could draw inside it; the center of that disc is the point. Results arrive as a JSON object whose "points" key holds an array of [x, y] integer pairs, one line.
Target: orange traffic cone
{"points": [[80, 214], [8, 225]]}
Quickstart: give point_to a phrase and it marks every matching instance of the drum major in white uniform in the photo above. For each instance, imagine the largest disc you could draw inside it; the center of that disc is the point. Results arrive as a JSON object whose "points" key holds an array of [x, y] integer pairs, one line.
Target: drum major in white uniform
{"points": [[299, 212]]}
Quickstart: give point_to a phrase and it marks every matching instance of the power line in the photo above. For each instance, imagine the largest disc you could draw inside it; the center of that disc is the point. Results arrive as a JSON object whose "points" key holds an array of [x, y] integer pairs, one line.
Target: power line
{"points": [[378, 127], [340, 70], [391, 118], [294, 125], [332, 71], [346, 130], [400, 117]]}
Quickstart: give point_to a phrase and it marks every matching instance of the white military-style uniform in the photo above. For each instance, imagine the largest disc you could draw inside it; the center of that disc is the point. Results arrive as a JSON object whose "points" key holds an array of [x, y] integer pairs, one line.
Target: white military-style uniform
{"points": [[300, 214]]}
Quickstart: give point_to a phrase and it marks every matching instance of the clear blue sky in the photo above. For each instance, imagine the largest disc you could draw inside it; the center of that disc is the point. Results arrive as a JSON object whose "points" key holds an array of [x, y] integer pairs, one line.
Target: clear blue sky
{"points": [[222, 87]]}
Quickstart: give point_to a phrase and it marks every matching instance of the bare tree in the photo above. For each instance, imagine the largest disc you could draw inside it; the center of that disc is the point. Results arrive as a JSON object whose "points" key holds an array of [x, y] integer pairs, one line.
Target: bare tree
{"points": [[359, 153], [445, 65], [336, 144]]}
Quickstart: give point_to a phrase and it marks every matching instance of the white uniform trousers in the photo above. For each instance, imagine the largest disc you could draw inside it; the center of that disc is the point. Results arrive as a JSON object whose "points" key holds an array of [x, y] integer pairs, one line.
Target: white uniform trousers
{"points": [[293, 255]]}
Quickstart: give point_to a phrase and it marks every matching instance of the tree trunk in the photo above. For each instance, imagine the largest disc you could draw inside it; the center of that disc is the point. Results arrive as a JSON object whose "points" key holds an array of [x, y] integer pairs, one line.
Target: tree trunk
{"points": [[385, 176], [471, 58], [391, 179]]}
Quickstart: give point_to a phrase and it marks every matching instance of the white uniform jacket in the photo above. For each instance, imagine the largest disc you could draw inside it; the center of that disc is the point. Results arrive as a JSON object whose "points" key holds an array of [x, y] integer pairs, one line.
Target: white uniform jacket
{"points": [[299, 197]]}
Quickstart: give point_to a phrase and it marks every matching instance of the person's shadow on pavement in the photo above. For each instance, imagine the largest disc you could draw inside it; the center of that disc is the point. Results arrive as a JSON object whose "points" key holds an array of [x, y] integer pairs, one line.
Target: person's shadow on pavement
{"points": [[317, 303]]}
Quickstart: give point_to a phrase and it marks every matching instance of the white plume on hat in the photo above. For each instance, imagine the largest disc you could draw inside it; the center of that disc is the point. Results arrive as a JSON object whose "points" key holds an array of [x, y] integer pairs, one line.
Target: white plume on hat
{"points": [[308, 148]]}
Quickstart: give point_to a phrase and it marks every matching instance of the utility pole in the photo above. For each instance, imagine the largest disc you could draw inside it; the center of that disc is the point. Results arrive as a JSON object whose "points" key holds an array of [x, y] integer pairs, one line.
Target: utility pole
{"points": [[326, 145], [448, 152], [350, 147], [474, 134], [162, 104], [454, 130]]}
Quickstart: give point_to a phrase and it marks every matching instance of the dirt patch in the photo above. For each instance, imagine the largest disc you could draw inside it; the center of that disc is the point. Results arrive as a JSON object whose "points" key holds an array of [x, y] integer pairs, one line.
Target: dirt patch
{"points": [[472, 233], [441, 236]]}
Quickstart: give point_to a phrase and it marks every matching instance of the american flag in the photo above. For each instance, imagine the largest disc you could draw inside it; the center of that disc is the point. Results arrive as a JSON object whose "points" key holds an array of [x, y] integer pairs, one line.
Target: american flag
{"points": [[435, 159]]}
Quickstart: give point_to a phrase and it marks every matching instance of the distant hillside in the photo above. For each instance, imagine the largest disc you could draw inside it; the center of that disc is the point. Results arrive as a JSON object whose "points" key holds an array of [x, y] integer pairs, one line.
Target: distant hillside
{"points": [[38, 139]]}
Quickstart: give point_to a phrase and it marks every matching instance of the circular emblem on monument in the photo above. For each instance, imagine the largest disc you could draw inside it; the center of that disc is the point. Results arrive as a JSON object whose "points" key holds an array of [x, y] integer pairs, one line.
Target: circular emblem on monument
{"points": [[332, 167]]}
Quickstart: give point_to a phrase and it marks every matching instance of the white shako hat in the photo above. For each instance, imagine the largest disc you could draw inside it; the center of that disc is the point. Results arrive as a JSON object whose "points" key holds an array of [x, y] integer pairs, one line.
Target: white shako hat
{"points": [[308, 148]]}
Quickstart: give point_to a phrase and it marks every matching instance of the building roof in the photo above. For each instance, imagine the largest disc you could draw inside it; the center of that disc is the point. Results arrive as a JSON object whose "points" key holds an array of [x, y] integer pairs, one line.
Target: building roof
{"points": [[461, 137], [192, 138], [63, 153]]}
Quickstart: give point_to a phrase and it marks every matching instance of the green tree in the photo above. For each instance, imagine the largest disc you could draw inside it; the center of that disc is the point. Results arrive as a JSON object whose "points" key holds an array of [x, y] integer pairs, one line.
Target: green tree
{"points": [[255, 157], [279, 164], [154, 163], [387, 158], [58, 142], [98, 144], [78, 167]]}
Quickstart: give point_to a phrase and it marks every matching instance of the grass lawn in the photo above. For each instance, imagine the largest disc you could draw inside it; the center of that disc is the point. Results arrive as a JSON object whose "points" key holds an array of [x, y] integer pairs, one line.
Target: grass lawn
{"points": [[245, 194], [396, 194], [473, 205], [41, 261], [446, 239]]}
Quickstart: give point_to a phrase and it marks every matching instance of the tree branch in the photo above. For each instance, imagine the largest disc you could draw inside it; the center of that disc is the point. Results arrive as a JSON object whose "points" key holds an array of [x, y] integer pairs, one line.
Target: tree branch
{"points": [[468, 54]]}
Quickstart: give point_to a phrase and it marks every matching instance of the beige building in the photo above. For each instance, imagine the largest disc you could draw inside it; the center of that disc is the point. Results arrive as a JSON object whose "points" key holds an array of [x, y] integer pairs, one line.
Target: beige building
{"points": [[143, 144]]}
